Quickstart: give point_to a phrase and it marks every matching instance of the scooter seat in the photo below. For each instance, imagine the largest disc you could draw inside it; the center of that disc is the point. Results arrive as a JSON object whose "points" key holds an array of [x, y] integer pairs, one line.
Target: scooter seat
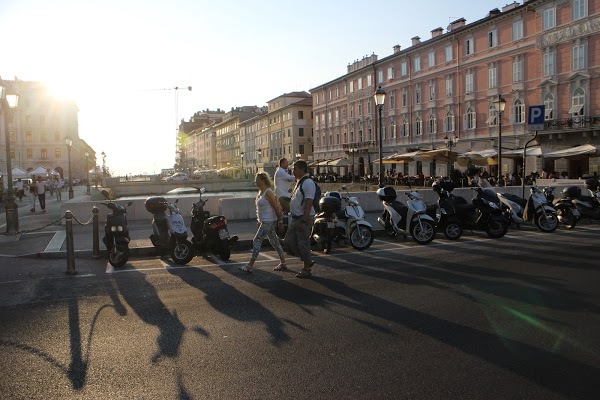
{"points": [[515, 199]]}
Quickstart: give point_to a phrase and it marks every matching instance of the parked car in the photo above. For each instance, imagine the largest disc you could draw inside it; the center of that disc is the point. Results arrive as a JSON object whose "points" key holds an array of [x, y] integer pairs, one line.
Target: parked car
{"points": [[178, 176]]}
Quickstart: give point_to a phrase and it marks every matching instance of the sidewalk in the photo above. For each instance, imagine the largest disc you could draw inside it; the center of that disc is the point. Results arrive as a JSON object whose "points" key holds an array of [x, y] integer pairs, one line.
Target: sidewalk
{"points": [[50, 241]]}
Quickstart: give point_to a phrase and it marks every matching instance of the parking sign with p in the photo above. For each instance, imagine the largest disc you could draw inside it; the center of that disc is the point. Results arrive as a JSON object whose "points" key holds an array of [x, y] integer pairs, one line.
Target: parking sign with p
{"points": [[535, 118]]}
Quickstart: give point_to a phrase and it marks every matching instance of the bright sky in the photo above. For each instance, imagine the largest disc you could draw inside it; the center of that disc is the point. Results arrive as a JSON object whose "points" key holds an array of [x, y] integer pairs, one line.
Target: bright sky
{"points": [[113, 57]]}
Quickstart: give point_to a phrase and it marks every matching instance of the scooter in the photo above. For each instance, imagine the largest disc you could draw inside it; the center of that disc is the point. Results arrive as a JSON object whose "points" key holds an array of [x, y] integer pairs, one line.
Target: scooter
{"points": [[454, 213], [169, 234], [324, 228], [536, 208], [584, 206], [410, 219], [116, 233], [348, 223], [210, 233]]}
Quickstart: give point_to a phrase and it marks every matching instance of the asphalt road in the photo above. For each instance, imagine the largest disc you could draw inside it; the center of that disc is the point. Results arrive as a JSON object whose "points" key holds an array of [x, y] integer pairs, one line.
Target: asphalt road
{"points": [[515, 318]]}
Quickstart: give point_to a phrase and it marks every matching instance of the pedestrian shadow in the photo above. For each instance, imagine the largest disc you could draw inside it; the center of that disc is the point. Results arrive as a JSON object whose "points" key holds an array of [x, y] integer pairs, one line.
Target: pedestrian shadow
{"points": [[231, 302]]}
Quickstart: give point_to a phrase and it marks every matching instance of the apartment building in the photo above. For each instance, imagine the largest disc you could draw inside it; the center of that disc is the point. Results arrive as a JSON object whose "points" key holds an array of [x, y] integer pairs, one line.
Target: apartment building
{"points": [[39, 131], [190, 141], [442, 91]]}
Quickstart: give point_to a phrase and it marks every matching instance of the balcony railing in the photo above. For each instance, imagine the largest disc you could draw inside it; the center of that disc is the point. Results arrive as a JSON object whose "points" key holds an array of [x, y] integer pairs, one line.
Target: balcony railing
{"points": [[583, 122]]}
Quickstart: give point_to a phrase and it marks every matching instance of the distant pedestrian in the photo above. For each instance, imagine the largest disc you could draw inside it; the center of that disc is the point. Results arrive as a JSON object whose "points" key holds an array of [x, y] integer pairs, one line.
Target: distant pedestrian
{"points": [[40, 186], [59, 187], [268, 212], [32, 195], [283, 183], [301, 206], [20, 189]]}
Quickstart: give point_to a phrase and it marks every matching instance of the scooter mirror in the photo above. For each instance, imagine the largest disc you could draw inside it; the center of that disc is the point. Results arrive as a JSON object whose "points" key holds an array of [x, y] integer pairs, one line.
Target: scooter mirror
{"points": [[105, 194], [130, 203], [202, 190], [344, 187]]}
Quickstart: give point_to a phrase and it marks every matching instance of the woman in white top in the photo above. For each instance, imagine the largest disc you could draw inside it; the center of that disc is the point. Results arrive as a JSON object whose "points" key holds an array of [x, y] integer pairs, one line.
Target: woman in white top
{"points": [[268, 213]]}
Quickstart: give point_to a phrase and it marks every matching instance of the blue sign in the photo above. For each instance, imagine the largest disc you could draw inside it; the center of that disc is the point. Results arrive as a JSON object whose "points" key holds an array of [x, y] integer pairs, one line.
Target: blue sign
{"points": [[535, 118]]}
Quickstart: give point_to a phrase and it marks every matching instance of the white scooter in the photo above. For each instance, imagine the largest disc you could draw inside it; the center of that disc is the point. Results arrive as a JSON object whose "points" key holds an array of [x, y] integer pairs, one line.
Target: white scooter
{"points": [[348, 223], [519, 210], [169, 233], [406, 220]]}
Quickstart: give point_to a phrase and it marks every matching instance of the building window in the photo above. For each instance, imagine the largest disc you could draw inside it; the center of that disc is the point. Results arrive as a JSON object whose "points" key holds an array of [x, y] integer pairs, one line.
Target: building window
{"points": [[392, 101], [492, 38], [379, 76], [369, 80], [390, 73], [549, 107], [360, 109], [351, 86], [337, 92], [57, 136], [431, 124], [517, 30], [392, 129], [300, 132], [29, 153], [300, 114], [368, 107], [301, 148], [449, 86], [360, 84], [403, 68], [449, 122], [469, 46], [548, 62], [469, 82], [578, 103], [28, 136], [470, 118], [418, 131], [519, 111], [405, 128], [431, 59], [44, 154], [548, 18], [492, 115], [518, 69], [578, 56], [418, 94], [579, 9], [404, 98], [448, 53], [431, 90], [492, 76], [43, 136], [417, 64], [351, 110]]}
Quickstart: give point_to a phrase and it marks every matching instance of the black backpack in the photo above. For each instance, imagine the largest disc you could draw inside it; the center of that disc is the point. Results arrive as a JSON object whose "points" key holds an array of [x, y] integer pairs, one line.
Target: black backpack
{"points": [[317, 194]]}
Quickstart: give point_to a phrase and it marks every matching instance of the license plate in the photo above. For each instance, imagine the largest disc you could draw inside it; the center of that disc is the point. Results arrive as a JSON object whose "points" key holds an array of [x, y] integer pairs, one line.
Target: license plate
{"points": [[223, 234], [330, 224]]}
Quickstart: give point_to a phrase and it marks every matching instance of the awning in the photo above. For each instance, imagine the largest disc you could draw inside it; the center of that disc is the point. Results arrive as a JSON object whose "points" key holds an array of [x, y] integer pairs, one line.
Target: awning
{"points": [[442, 154], [585, 150], [478, 157], [43, 171], [537, 151], [18, 172], [339, 162]]}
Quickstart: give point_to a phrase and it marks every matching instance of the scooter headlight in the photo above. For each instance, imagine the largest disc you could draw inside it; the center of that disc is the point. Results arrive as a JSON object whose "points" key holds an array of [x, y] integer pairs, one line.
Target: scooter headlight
{"points": [[493, 205], [113, 228], [120, 228]]}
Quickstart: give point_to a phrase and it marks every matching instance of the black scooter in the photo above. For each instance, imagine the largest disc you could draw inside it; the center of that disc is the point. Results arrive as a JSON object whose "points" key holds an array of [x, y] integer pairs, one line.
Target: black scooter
{"points": [[116, 233], [210, 234], [576, 205], [454, 213]]}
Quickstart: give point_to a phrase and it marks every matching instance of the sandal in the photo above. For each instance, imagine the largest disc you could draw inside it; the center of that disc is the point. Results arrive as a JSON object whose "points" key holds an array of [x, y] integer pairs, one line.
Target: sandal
{"points": [[280, 267], [304, 273], [246, 268]]}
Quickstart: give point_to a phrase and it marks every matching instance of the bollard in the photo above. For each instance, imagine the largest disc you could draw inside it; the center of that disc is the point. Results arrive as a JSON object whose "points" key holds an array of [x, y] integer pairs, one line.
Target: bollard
{"points": [[70, 251], [96, 239]]}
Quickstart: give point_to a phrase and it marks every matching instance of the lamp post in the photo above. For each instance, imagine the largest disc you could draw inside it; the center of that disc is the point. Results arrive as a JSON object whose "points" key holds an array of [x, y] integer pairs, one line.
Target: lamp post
{"points": [[450, 142], [9, 101], [87, 174], [243, 165], [103, 167], [69, 144], [379, 101], [499, 106], [259, 151], [352, 151]]}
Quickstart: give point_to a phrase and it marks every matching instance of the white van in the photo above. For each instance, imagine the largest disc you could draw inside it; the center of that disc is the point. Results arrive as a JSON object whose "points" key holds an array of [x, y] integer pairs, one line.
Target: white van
{"points": [[178, 176]]}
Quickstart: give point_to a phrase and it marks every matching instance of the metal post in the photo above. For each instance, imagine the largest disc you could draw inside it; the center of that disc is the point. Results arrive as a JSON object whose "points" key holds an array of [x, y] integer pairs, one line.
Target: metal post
{"points": [[96, 236], [87, 174], [380, 107], [500, 178], [525, 163], [70, 175], [70, 250], [12, 210]]}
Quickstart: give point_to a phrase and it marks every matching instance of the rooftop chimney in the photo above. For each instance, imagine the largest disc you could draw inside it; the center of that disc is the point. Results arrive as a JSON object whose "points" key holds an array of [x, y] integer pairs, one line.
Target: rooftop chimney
{"points": [[437, 32], [458, 23], [415, 40], [397, 49], [493, 12], [509, 7]]}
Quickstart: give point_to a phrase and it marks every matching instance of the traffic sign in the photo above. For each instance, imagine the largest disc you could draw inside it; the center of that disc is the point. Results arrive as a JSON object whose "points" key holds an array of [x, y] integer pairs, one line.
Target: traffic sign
{"points": [[535, 118]]}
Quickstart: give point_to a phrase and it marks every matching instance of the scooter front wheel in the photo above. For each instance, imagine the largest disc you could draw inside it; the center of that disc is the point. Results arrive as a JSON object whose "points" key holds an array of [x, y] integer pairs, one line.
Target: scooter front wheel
{"points": [[453, 230], [182, 252], [422, 231], [566, 216], [224, 251], [361, 237], [118, 255], [497, 227], [546, 221]]}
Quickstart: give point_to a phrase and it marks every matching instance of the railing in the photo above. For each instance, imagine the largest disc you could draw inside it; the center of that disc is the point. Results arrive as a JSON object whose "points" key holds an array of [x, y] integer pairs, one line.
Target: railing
{"points": [[573, 123]]}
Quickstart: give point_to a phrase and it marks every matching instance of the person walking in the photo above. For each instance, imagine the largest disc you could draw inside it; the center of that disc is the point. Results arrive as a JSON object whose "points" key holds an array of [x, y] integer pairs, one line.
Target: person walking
{"points": [[59, 186], [269, 217], [301, 207], [32, 195], [283, 183], [20, 189], [40, 186]]}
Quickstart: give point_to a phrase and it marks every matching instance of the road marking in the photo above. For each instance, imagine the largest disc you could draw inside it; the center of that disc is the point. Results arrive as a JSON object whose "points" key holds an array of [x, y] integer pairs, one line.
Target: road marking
{"points": [[268, 257], [56, 242], [392, 243]]}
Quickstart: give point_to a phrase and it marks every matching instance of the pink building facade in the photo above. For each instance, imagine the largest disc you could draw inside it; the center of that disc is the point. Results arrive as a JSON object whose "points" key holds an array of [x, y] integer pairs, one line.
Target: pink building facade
{"points": [[442, 91]]}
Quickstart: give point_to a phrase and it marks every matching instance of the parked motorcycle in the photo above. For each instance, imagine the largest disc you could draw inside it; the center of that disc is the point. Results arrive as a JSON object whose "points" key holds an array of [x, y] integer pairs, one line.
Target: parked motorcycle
{"points": [[169, 234], [116, 232], [324, 228], [348, 223], [410, 219], [575, 205], [536, 209], [210, 233], [454, 213]]}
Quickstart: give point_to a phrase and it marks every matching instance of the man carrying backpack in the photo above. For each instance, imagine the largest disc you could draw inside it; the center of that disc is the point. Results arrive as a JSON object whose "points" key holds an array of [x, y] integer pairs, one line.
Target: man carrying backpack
{"points": [[297, 238]]}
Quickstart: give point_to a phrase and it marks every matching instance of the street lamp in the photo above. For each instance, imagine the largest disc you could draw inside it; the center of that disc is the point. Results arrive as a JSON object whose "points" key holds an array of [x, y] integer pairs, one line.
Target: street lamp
{"points": [[69, 142], [298, 156], [353, 151], [243, 165], [103, 167], [87, 173], [379, 101], [450, 142], [9, 100], [259, 151], [499, 106]]}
